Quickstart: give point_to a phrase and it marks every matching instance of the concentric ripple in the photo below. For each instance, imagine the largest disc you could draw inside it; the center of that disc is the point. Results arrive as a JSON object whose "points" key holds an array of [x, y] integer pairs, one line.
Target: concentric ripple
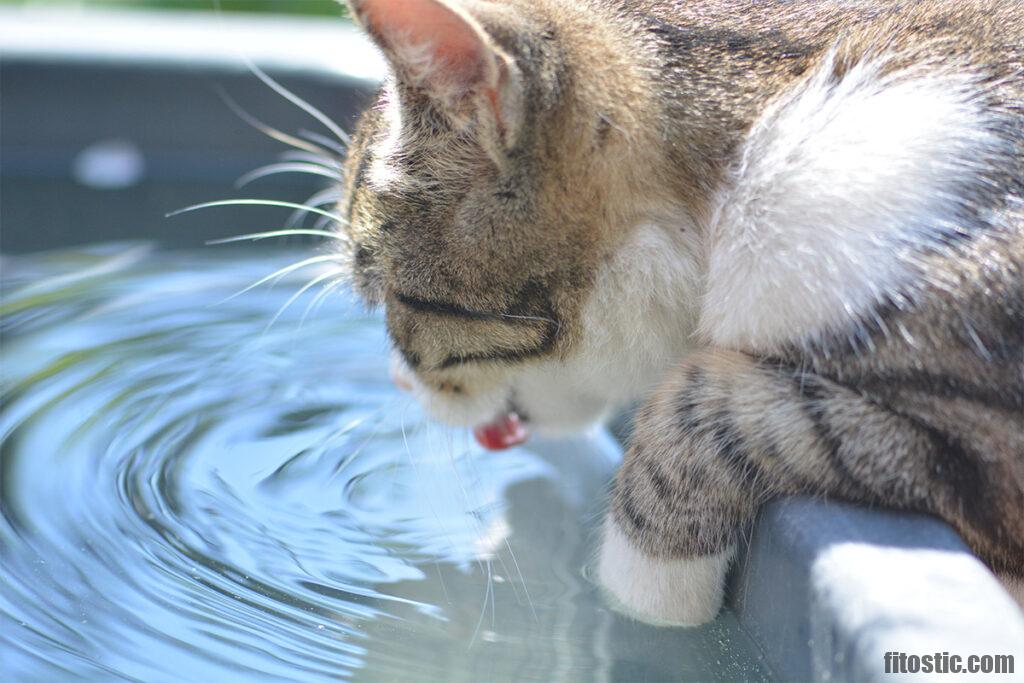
{"points": [[187, 494]]}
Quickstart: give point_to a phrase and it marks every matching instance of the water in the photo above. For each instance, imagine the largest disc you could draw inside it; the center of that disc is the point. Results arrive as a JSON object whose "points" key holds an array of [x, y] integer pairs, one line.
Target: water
{"points": [[186, 495]]}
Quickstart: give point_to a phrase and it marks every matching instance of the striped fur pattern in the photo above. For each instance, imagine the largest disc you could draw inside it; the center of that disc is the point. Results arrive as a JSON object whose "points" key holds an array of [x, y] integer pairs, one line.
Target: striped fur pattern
{"points": [[794, 228]]}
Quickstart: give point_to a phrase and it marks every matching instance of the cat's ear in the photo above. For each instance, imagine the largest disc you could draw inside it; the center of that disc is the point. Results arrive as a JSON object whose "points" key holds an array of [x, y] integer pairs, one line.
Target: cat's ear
{"points": [[439, 47]]}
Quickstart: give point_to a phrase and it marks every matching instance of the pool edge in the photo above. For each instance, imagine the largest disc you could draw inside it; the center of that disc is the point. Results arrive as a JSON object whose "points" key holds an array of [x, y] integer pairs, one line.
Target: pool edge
{"points": [[827, 588]]}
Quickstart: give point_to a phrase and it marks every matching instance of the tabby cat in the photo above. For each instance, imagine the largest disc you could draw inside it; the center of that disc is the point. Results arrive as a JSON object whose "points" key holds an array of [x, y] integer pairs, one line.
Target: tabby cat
{"points": [[794, 228]]}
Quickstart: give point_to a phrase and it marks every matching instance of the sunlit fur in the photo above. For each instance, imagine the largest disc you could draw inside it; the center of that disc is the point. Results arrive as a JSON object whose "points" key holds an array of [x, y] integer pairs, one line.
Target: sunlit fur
{"points": [[837, 190], [795, 228]]}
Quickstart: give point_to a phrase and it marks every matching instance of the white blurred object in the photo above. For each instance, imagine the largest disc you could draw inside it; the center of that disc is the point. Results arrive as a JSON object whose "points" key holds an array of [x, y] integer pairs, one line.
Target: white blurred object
{"points": [[110, 165], [330, 46]]}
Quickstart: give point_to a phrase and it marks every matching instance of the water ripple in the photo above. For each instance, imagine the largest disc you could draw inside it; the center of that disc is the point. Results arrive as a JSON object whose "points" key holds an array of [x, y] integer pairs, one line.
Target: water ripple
{"points": [[186, 496]]}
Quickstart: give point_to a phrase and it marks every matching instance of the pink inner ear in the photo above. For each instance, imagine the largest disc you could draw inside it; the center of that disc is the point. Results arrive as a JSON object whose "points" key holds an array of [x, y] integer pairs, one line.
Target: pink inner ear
{"points": [[449, 41]]}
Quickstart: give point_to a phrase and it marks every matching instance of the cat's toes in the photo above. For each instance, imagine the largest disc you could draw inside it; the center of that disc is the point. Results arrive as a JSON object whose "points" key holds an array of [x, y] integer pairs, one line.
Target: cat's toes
{"points": [[682, 592]]}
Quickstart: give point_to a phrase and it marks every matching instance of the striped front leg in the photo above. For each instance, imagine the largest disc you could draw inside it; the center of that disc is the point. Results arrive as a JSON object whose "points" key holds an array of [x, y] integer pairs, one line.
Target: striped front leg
{"points": [[723, 435]]}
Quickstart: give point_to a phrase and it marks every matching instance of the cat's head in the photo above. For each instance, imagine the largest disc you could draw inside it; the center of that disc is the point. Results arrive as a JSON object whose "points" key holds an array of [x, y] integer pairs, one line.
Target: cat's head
{"points": [[503, 206]]}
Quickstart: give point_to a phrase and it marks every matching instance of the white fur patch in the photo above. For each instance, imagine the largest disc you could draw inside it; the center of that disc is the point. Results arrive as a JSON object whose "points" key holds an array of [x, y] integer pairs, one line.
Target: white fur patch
{"points": [[684, 592], [638, 320], [838, 187], [383, 174]]}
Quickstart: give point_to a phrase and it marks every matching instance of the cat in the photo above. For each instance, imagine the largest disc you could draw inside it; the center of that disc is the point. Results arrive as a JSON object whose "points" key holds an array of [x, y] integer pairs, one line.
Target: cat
{"points": [[794, 228]]}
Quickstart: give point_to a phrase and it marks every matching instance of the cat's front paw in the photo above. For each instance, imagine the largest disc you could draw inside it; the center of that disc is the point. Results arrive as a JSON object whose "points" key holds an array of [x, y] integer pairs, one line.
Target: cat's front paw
{"points": [[677, 592]]}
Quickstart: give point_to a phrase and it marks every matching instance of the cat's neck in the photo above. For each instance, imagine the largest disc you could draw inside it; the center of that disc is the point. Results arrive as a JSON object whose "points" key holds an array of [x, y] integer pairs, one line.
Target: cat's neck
{"points": [[714, 84]]}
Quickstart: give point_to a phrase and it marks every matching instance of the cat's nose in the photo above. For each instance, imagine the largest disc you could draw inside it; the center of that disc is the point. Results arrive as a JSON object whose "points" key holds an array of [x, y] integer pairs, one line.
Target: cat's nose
{"points": [[401, 375]]}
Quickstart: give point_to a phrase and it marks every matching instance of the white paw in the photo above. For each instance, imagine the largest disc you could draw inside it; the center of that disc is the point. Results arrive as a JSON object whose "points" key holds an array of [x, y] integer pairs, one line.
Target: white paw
{"points": [[682, 592]]}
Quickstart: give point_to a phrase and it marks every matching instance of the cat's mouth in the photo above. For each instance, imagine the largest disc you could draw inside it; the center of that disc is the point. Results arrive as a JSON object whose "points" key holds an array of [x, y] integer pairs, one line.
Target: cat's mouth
{"points": [[506, 430]]}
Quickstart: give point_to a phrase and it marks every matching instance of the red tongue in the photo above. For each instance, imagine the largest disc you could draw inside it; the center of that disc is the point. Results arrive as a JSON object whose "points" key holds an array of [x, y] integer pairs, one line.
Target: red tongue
{"points": [[502, 432]]}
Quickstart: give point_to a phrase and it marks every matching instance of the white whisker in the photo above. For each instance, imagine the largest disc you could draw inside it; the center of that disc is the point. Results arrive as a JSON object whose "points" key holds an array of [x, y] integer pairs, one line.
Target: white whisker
{"points": [[488, 594], [352, 456], [528, 317], [321, 296], [300, 103], [416, 469], [328, 196], [518, 571], [275, 169], [292, 299], [319, 159], [258, 202], [321, 223], [282, 272], [269, 131], [324, 141], [522, 579], [322, 198], [256, 236]]}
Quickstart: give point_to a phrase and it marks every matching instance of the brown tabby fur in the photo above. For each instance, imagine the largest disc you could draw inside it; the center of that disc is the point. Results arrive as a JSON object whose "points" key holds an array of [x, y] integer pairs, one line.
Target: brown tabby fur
{"points": [[483, 260]]}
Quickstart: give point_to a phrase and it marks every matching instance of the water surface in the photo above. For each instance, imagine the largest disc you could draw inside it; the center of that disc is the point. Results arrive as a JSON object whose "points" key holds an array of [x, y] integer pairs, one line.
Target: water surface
{"points": [[187, 494]]}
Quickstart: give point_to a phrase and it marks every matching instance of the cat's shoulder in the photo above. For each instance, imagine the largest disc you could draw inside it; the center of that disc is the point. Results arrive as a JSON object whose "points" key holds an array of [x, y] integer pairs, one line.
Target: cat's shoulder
{"points": [[852, 176]]}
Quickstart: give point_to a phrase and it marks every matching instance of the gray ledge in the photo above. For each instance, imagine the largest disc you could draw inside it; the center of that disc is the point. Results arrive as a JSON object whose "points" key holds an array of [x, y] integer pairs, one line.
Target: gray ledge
{"points": [[827, 589]]}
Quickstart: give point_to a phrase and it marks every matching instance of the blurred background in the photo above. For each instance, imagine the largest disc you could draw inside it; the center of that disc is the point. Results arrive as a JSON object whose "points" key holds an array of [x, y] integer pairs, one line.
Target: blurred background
{"points": [[309, 7], [127, 110]]}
